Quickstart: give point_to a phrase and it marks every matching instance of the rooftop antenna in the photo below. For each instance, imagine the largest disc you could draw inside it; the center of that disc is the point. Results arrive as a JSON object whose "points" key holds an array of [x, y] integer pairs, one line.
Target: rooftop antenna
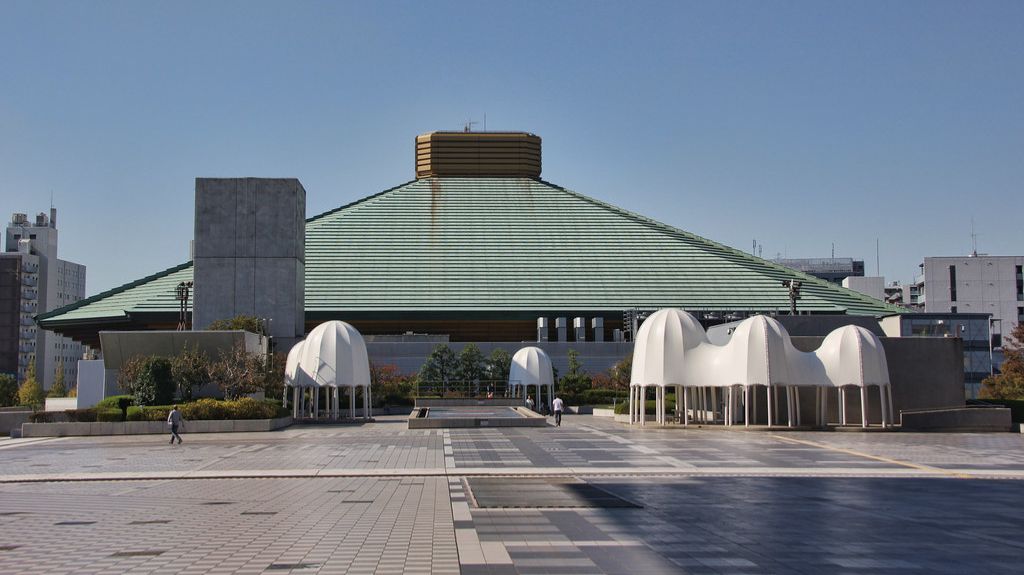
{"points": [[878, 261], [833, 250], [468, 127], [974, 240], [485, 121]]}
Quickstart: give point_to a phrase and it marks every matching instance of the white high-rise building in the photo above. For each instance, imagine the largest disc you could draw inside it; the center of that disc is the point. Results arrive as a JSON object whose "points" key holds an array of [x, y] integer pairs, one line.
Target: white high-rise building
{"points": [[58, 283]]}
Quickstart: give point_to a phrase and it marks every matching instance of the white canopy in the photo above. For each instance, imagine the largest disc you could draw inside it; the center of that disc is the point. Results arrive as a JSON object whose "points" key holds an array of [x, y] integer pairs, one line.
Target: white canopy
{"points": [[673, 350], [531, 366], [332, 356], [853, 355]]}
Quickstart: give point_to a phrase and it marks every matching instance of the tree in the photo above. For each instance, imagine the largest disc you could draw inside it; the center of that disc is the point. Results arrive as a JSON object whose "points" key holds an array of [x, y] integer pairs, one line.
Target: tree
{"points": [[439, 369], [239, 322], [498, 365], [238, 372], [1009, 382], [470, 366], [58, 389], [621, 373], [390, 386], [129, 373], [148, 380], [190, 370], [8, 390], [31, 393], [273, 381], [576, 380]]}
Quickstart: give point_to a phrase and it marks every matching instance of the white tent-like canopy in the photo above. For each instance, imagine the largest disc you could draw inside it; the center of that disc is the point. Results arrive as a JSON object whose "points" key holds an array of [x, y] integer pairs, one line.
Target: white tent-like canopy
{"points": [[333, 357], [531, 366], [673, 350]]}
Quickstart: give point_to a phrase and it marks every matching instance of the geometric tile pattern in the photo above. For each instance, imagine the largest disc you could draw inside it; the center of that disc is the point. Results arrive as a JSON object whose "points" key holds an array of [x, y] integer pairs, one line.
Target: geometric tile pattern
{"points": [[379, 498]]}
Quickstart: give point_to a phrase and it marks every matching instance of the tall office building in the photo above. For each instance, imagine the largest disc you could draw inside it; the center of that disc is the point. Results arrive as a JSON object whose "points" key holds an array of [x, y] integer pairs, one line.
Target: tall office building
{"points": [[35, 281]]}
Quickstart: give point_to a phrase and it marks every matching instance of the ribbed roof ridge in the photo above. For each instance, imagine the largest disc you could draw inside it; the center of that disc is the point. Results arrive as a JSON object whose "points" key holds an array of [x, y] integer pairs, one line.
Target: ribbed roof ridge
{"points": [[796, 274], [113, 291], [507, 244]]}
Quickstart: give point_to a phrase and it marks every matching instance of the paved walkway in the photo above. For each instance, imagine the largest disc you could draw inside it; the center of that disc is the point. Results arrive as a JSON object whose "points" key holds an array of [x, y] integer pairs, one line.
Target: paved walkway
{"points": [[589, 497]]}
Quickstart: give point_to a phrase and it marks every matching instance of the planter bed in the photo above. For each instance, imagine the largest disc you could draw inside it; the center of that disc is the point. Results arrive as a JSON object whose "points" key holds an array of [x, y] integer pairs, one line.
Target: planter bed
{"points": [[151, 427]]}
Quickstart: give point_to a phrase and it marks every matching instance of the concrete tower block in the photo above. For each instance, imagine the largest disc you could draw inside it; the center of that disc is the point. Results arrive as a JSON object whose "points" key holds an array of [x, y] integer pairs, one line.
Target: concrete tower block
{"points": [[250, 252], [598, 324], [560, 329], [579, 328]]}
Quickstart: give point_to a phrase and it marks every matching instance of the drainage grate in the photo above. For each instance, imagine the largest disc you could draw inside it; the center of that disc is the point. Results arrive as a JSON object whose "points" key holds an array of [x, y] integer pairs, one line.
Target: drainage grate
{"points": [[259, 513], [533, 492], [150, 522], [291, 566], [136, 554], [76, 523]]}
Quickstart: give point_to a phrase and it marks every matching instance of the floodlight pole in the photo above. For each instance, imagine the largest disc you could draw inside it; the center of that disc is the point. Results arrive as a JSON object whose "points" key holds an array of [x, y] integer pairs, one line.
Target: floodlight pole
{"points": [[794, 293], [181, 294]]}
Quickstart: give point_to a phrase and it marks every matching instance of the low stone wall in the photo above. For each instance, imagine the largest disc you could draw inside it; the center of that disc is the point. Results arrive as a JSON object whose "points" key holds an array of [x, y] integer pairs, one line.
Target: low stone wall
{"points": [[958, 419], [12, 420], [604, 412], [459, 402], [527, 419], [150, 427]]}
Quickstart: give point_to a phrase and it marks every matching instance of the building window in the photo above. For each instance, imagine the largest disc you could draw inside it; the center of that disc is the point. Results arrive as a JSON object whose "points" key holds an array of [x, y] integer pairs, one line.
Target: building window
{"points": [[952, 309], [952, 283]]}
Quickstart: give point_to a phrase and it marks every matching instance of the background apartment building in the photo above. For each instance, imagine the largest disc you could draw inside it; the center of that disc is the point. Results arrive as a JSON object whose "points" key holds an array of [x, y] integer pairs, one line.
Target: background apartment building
{"points": [[32, 281]]}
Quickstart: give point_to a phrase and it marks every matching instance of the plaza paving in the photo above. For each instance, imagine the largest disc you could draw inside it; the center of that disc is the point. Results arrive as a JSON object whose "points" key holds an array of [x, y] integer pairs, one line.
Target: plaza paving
{"points": [[590, 497]]}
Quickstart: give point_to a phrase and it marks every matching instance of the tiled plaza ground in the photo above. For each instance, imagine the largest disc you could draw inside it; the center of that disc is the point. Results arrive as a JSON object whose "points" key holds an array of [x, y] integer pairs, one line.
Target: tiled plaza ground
{"points": [[379, 498]]}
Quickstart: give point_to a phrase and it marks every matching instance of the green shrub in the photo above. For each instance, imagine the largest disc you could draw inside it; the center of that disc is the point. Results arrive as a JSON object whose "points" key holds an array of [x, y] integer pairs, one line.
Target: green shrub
{"points": [[148, 413], [670, 406], [109, 414], [248, 408], [86, 415], [43, 417], [113, 401], [596, 397], [205, 408]]}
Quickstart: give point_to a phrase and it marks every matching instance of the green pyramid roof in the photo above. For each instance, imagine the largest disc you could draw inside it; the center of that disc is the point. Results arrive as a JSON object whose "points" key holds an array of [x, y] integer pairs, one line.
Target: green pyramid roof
{"points": [[447, 246]]}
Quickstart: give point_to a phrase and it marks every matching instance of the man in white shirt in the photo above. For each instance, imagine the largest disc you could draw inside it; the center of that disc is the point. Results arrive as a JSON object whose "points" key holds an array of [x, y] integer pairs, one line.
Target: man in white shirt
{"points": [[558, 405]]}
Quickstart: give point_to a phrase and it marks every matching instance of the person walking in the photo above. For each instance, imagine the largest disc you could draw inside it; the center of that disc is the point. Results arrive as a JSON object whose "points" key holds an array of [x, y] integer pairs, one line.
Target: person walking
{"points": [[174, 420], [558, 405], [529, 403]]}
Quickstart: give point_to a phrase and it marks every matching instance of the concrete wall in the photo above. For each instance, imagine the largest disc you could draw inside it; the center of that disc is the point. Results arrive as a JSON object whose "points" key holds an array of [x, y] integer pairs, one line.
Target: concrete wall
{"points": [[12, 419], [119, 346], [60, 403], [91, 388], [250, 252], [925, 373]]}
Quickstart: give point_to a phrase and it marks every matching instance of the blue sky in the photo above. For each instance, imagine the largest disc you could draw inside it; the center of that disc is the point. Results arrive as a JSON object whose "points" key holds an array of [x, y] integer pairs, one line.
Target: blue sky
{"points": [[799, 124]]}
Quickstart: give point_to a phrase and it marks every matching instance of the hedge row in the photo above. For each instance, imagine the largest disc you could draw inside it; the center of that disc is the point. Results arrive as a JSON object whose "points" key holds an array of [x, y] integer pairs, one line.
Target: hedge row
{"points": [[596, 397], [202, 409], [670, 406]]}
